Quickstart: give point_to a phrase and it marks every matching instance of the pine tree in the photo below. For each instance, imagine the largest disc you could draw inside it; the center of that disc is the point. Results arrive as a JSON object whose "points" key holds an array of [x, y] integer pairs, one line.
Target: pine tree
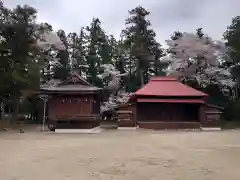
{"points": [[176, 35], [18, 66], [232, 36], [46, 68], [158, 66], [61, 70], [93, 58], [140, 39], [77, 50], [200, 33], [114, 45], [105, 49], [5, 64]]}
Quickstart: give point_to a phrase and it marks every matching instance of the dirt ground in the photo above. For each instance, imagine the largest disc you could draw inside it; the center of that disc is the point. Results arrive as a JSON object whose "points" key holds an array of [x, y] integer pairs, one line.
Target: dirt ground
{"points": [[125, 155]]}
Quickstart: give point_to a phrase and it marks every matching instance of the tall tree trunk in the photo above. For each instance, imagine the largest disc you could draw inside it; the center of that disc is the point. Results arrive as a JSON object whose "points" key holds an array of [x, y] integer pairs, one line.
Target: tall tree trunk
{"points": [[141, 78], [15, 108], [156, 66], [235, 90], [140, 72], [2, 110]]}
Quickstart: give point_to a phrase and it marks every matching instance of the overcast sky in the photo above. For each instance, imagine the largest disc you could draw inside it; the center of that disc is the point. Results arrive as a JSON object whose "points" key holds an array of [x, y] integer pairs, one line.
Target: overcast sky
{"points": [[166, 15]]}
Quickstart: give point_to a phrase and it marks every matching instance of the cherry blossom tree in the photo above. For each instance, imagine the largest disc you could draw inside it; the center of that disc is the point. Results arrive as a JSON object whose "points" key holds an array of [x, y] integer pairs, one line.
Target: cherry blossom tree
{"points": [[200, 58], [48, 44], [117, 95], [47, 39]]}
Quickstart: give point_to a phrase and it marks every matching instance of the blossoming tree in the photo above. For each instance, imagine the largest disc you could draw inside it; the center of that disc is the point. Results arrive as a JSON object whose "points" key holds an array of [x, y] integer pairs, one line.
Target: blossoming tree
{"points": [[118, 95], [199, 58]]}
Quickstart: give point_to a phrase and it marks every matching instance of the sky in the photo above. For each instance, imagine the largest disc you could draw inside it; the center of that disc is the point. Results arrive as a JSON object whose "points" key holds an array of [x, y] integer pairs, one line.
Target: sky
{"points": [[166, 16]]}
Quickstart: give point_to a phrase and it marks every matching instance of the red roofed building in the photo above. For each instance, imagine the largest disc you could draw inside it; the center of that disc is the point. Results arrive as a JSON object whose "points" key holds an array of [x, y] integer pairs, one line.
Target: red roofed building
{"points": [[168, 87], [166, 103]]}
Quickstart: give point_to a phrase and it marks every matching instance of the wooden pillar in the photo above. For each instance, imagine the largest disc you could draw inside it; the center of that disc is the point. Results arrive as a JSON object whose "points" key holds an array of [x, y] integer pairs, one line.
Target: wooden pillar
{"points": [[134, 110], [45, 99], [201, 115]]}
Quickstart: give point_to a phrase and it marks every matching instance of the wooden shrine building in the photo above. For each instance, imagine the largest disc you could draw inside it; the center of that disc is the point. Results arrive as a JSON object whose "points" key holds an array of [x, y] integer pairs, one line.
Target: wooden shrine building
{"points": [[73, 103], [165, 103]]}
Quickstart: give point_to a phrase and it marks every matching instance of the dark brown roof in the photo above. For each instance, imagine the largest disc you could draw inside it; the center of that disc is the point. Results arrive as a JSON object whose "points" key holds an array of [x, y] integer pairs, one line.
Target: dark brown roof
{"points": [[79, 80], [52, 82], [72, 88], [74, 84]]}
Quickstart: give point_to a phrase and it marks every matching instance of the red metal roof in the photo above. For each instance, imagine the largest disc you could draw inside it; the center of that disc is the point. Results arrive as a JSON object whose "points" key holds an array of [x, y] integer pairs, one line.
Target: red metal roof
{"points": [[195, 101], [168, 86]]}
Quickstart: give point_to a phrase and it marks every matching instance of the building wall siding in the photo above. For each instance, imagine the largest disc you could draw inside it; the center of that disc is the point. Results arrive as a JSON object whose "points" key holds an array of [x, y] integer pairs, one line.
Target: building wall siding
{"points": [[69, 106]]}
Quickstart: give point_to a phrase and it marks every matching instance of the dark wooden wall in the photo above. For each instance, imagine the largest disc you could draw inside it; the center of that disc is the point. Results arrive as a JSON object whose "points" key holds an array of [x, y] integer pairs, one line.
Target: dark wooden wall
{"points": [[127, 122], [74, 112], [211, 116], [95, 105], [129, 107], [171, 116], [67, 106], [167, 112]]}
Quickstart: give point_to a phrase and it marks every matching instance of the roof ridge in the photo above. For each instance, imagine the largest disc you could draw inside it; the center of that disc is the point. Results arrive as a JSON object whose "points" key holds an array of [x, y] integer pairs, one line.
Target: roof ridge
{"points": [[72, 74]]}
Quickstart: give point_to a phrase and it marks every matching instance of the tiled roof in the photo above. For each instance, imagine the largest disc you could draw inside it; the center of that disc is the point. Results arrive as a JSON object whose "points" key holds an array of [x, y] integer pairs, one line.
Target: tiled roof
{"points": [[74, 83], [52, 82], [71, 88]]}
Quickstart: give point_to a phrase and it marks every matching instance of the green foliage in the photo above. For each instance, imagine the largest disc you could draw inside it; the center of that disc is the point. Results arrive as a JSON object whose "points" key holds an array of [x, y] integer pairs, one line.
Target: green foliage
{"points": [[18, 68], [61, 70], [105, 51], [143, 48], [176, 35], [18, 40], [200, 33], [137, 53], [215, 95], [157, 65], [93, 60], [232, 36], [231, 111], [77, 49], [99, 51]]}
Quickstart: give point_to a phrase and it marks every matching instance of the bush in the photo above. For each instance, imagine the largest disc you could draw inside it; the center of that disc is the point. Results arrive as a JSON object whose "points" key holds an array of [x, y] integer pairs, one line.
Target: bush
{"points": [[232, 111]]}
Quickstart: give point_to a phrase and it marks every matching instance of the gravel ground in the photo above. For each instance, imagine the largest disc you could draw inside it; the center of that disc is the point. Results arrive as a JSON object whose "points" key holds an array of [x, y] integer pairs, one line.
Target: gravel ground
{"points": [[125, 155]]}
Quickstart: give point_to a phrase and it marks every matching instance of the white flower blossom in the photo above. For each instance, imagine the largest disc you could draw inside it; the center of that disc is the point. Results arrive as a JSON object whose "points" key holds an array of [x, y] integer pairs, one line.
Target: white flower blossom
{"points": [[198, 58], [50, 39], [118, 96], [47, 39]]}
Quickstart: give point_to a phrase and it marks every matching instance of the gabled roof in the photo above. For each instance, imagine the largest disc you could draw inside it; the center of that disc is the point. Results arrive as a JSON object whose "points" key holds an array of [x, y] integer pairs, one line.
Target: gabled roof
{"points": [[71, 88], [74, 83], [52, 82], [75, 79], [168, 87]]}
